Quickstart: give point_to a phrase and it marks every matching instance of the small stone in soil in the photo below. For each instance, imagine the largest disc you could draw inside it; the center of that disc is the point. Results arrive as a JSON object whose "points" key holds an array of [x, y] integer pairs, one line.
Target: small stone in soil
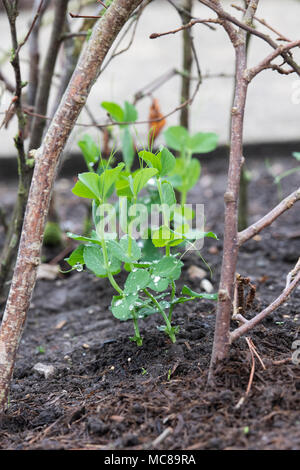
{"points": [[44, 369], [196, 273], [207, 286]]}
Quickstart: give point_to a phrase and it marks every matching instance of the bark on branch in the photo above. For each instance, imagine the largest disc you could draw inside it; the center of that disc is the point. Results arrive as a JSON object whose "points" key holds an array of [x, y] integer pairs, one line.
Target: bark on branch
{"points": [[44, 85], [269, 218], [47, 157]]}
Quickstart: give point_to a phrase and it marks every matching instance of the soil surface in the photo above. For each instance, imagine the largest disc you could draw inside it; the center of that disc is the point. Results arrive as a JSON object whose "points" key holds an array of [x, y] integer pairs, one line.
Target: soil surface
{"points": [[107, 393]]}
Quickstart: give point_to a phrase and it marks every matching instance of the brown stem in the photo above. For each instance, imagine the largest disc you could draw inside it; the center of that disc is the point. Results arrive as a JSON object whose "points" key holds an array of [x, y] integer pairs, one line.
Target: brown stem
{"points": [[187, 63], [34, 55], [230, 253], [47, 157], [269, 218], [45, 81], [9, 250], [230, 247]]}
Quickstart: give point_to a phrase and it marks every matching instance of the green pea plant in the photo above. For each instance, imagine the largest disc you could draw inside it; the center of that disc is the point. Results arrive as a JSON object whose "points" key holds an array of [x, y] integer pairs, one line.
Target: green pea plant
{"points": [[150, 285], [127, 114], [187, 170], [91, 152]]}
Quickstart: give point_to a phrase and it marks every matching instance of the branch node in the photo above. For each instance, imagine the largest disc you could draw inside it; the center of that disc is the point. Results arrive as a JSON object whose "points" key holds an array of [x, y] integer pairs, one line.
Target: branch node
{"points": [[223, 295], [229, 197]]}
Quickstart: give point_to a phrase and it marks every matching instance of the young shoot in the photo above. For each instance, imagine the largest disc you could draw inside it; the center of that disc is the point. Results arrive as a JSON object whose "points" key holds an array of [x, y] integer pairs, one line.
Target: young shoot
{"points": [[114, 244]]}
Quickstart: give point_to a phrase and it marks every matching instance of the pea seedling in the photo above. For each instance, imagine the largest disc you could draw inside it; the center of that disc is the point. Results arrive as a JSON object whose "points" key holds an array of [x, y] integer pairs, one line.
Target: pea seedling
{"points": [[187, 169], [123, 115], [150, 285]]}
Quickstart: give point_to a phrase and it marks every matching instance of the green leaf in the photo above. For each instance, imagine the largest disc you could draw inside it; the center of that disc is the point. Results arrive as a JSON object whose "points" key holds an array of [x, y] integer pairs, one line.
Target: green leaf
{"points": [[122, 307], [169, 267], [94, 261], [141, 178], [167, 161], [120, 250], [158, 284], [176, 137], [135, 249], [164, 236], [202, 142], [187, 291], [82, 191], [114, 110], [93, 240], [190, 173], [137, 280], [197, 235], [127, 148], [108, 179], [130, 112], [182, 214], [90, 150], [123, 187], [76, 256], [149, 251], [144, 310], [88, 186], [168, 194], [175, 180], [151, 159]]}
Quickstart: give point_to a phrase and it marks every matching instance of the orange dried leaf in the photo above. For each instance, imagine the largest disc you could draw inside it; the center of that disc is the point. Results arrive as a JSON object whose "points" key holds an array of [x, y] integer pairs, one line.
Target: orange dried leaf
{"points": [[156, 124]]}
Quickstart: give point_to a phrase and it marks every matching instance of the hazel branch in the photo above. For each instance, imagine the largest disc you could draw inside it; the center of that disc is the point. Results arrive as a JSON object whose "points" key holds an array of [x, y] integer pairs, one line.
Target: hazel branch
{"points": [[266, 63], [269, 218], [188, 25], [31, 27], [245, 26], [281, 37]]}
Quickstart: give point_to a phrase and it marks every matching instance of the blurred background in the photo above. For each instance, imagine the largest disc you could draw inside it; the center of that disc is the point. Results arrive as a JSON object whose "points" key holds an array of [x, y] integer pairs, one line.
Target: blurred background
{"points": [[273, 108]]}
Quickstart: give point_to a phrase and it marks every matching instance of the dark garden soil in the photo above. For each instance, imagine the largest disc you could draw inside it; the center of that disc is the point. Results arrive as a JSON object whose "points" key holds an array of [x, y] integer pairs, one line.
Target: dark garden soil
{"points": [[107, 393]]}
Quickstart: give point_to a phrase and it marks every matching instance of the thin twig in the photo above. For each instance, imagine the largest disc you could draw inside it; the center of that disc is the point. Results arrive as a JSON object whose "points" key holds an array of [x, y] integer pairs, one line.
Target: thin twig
{"points": [[185, 26], [103, 4], [31, 27], [231, 20], [252, 366], [73, 15], [183, 11], [264, 23], [266, 63], [134, 21], [269, 218], [256, 354], [291, 275]]}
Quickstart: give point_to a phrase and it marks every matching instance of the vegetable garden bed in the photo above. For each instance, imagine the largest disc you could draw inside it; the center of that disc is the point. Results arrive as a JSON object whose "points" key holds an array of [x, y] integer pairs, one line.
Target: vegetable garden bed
{"points": [[108, 393]]}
